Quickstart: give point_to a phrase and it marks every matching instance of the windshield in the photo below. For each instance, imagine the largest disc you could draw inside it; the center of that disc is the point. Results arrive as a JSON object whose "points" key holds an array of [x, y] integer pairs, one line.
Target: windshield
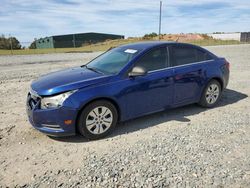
{"points": [[112, 61]]}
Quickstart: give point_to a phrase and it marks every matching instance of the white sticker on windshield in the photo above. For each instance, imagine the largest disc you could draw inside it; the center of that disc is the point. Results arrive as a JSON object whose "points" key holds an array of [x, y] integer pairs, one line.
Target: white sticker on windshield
{"points": [[131, 51]]}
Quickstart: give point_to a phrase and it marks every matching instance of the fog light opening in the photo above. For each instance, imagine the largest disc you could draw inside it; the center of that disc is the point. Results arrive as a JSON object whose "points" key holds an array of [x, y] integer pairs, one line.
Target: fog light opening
{"points": [[67, 122]]}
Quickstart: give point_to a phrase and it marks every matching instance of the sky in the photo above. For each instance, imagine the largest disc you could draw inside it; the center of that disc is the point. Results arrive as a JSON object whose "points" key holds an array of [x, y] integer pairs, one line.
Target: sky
{"points": [[29, 19]]}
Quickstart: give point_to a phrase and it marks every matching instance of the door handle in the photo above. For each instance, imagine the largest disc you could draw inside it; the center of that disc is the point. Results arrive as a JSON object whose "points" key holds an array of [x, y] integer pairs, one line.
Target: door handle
{"points": [[199, 71], [169, 78]]}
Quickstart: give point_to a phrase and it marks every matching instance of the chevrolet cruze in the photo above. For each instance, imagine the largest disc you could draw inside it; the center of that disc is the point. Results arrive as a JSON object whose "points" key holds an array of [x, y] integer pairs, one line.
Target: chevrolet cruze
{"points": [[124, 83]]}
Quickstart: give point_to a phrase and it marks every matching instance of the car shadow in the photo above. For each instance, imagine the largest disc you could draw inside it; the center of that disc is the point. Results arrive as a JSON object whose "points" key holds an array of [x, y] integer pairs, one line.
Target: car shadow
{"points": [[180, 114]]}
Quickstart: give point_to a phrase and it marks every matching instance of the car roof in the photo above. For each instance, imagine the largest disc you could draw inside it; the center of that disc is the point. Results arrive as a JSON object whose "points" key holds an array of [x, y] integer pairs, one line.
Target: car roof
{"points": [[143, 45]]}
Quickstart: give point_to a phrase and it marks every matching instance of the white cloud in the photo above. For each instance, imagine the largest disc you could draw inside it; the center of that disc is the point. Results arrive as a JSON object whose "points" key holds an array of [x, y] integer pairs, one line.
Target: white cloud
{"points": [[28, 19]]}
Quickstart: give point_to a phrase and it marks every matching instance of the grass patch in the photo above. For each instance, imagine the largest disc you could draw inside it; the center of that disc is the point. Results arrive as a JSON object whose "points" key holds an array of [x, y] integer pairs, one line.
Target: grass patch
{"points": [[214, 42], [41, 51]]}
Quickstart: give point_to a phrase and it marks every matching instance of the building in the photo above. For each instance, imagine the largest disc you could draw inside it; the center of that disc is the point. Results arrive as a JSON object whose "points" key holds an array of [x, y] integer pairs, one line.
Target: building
{"points": [[245, 37], [239, 36], [74, 40]]}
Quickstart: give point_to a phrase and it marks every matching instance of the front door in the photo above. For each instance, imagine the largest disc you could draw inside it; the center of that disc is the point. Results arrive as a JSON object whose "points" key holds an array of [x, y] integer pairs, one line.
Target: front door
{"points": [[154, 91]]}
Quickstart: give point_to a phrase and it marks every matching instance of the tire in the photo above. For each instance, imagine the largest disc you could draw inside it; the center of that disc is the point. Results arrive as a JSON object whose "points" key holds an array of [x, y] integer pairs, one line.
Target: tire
{"points": [[211, 94], [97, 119]]}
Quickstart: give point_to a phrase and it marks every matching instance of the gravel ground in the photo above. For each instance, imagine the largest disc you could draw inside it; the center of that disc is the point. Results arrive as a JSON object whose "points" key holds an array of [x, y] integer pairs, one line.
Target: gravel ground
{"points": [[183, 147]]}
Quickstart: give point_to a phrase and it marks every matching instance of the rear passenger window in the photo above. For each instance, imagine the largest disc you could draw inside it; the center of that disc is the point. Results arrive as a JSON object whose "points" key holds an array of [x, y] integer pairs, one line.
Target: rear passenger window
{"points": [[183, 55], [202, 56], [154, 60]]}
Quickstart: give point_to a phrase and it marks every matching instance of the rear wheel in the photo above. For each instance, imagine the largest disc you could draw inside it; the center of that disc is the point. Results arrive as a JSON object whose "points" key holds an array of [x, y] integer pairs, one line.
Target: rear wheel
{"points": [[211, 94], [97, 119]]}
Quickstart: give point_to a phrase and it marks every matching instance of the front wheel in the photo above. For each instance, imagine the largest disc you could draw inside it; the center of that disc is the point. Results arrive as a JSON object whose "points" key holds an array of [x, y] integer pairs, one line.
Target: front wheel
{"points": [[211, 94], [97, 119]]}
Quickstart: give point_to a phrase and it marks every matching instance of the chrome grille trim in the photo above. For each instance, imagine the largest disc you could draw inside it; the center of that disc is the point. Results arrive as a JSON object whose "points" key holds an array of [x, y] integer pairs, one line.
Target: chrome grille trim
{"points": [[55, 127]]}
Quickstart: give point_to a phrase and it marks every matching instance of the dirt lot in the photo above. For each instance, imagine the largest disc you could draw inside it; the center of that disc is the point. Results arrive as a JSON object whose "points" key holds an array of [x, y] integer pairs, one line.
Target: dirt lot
{"points": [[188, 146]]}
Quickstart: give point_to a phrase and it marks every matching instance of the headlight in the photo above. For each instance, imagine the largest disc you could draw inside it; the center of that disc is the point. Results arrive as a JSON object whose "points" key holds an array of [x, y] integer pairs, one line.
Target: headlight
{"points": [[55, 101]]}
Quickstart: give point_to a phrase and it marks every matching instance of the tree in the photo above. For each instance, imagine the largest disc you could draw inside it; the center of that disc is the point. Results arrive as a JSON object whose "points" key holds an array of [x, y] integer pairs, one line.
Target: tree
{"points": [[9, 43], [33, 45], [3, 42], [12, 41], [150, 35]]}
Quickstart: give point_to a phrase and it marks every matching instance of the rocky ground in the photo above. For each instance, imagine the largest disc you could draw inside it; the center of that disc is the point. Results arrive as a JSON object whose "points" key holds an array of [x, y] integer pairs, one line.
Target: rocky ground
{"points": [[183, 147]]}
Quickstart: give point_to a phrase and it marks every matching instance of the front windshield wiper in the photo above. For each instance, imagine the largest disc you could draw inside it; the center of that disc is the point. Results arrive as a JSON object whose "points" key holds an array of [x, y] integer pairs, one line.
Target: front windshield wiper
{"points": [[93, 69]]}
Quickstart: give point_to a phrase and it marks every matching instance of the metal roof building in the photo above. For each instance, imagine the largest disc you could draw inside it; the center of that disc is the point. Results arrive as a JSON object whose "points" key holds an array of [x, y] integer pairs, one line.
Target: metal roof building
{"points": [[74, 40], [239, 36]]}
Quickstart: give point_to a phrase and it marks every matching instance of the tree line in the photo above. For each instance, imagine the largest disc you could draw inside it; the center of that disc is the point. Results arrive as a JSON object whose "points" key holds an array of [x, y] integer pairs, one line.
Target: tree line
{"points": [[9, 43]]}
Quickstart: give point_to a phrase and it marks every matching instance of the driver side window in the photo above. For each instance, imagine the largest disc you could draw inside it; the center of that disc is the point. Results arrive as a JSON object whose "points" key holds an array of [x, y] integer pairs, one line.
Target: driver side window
{"points": [[154, 60]]}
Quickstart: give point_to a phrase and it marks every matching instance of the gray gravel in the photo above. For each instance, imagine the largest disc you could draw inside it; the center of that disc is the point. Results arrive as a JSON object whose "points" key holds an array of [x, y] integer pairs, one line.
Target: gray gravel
{"points": [[184, 147]]}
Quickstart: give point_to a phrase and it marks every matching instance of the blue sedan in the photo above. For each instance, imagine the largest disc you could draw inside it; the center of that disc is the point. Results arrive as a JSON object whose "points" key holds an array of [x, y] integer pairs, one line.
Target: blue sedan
{"points": [[124, 83]]}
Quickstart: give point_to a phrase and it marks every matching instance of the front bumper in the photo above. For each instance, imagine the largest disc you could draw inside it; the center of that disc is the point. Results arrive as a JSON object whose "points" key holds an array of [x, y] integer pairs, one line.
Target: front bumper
{"points": [[51, 121]]}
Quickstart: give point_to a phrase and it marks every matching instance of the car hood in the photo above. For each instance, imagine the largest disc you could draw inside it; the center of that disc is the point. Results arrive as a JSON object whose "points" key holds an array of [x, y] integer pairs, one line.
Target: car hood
{"points": [[66, 80]]}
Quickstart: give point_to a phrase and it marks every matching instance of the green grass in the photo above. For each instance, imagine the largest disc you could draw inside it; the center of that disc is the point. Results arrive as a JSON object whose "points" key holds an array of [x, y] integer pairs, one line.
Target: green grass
{"points": [[213, 42], [40, 51], [108, 44]]}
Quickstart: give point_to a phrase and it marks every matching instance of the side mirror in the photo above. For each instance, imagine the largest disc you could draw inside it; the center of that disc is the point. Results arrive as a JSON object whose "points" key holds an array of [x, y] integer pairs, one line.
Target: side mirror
{"points": [[137, 71]]}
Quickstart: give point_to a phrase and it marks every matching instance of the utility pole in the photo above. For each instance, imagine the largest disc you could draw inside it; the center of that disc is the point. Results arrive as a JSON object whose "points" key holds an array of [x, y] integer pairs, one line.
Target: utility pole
{"points": [[11, 48], [74, 41], [160, 21]]}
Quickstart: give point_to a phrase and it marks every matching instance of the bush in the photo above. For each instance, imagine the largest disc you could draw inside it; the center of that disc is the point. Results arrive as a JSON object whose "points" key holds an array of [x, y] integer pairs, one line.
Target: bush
{"points": [[150, 35]]}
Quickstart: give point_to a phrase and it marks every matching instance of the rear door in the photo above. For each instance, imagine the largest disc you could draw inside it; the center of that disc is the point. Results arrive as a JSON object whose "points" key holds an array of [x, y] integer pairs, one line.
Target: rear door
{"points": [[189, 72]]}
